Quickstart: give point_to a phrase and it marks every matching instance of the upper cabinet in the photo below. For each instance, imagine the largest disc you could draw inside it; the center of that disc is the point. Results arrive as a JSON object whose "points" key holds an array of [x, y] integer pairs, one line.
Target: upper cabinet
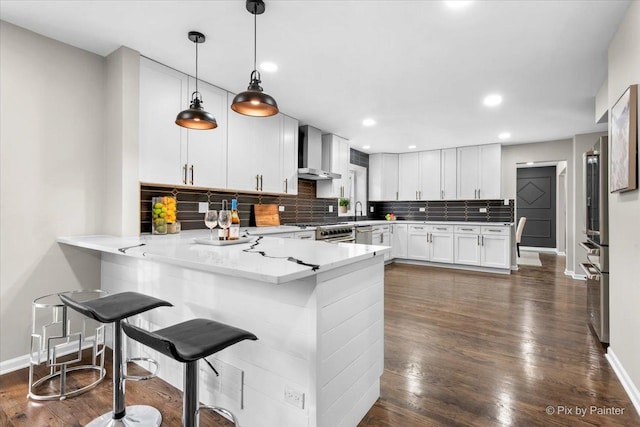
{"points": [[262, 153], [448, 178], [420, 176], [409, 176], [383, 177], [170, 154], [336, 156], [479, 172]]}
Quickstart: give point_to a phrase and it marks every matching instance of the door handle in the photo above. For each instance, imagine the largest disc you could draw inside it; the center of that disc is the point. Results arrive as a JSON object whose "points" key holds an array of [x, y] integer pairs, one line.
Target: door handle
{"points": [[191, 169], [184, 172]]}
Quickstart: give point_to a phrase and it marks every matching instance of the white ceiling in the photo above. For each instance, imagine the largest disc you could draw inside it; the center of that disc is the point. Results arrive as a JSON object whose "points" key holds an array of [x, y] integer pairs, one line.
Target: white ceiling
{"points": [[419, 68]]}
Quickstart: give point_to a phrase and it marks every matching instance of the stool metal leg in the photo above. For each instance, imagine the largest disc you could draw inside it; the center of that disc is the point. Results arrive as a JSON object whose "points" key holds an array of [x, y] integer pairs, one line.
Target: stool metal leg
{"points": [[137, 415], [190, 395]]}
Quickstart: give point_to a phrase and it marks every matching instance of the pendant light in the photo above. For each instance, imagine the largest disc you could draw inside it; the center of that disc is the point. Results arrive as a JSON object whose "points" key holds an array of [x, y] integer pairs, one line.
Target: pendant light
{"points": [[196, 117], [253, 101]]}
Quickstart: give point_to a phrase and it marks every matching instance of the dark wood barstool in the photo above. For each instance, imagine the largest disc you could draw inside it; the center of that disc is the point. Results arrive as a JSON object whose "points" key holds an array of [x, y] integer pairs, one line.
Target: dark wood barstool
{"points": [[188, 342], [114, 309]]}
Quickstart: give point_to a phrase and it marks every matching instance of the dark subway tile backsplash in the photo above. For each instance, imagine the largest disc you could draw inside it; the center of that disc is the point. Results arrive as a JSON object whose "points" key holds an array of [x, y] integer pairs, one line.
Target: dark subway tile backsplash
{"points": [[446, 210]]}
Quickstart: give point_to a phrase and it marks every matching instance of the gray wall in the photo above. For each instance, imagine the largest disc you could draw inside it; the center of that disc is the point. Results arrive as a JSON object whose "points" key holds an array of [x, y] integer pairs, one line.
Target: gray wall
{"points": [[52, 99], [624, 214]]}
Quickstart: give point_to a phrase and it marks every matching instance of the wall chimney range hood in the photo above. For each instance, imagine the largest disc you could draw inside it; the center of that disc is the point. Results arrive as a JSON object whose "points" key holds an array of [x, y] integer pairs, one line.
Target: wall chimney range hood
{"points": [[310, 156]]}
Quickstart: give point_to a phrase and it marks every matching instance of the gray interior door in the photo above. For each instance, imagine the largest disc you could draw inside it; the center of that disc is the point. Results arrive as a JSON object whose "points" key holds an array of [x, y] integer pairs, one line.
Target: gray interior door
{"points": [[536, 200]]}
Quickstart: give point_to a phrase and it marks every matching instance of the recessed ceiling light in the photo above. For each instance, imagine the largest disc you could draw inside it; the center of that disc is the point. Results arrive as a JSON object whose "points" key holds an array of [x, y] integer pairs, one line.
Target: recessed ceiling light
{"points": [[411, 147], [492, 100], [457, 4], [504, 135], [529, 163], [269, 67], [366, 147], [368, 122]]}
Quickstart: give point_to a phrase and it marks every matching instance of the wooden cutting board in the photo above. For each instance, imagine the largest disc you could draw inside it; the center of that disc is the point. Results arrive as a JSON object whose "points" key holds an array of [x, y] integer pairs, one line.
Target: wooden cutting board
{"points": [[266, 215]]}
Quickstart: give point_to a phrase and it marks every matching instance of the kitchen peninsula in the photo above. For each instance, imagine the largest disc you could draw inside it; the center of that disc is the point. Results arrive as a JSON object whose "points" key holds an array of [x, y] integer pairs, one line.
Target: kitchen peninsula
{"points": [[316, 308]]}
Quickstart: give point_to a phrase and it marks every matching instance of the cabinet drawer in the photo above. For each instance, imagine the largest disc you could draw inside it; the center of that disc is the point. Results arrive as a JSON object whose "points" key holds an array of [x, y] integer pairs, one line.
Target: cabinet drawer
{"points": [[487, 229], [415, 228], [441, 228], [467, 229], [382, 228]]}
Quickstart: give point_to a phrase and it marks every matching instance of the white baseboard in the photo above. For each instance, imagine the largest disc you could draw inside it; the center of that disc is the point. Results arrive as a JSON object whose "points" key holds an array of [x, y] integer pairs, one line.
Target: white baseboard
{"points": [[14, 364], [561, 253], [575, 276], [535, 249], [629, 386]]}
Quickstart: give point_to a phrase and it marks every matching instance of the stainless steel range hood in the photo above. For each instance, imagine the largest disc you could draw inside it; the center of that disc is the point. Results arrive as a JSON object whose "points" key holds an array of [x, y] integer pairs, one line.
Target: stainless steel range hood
{"points": [[310, 156]]}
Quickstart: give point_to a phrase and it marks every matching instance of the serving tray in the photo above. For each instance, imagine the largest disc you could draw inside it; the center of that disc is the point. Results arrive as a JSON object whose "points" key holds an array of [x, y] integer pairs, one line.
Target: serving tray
{"points": [[207, 241]]}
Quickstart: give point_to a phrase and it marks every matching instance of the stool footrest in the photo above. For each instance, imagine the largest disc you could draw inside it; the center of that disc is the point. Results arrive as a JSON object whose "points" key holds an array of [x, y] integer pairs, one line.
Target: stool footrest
{"points": [[220, 410], [143, 377]]}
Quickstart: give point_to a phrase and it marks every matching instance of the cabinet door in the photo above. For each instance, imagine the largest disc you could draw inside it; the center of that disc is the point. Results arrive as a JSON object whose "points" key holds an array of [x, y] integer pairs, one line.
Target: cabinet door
{"points": [[496, 251], [430, 175], [289, 155], [467, 249], [253, 151], [207, 149], [417, 243], [336, 156], [399, 240], [441, 247], [490, 161], [383, 177], [408, 176], [163, 94], [448, 177], [467, 172]]}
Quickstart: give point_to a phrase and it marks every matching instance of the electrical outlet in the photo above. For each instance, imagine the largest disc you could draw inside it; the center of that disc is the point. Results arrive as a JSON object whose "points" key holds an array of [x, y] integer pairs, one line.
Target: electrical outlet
{"points": [[203, 207], [280, 208], [506, 202], [483, 210], [294, 397], [422, 209], [330, 208], [371, 209]]}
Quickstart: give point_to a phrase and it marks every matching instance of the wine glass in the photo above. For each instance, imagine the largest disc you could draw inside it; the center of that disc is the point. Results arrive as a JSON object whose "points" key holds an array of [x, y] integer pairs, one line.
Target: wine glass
{"points": [[224, 221], [211, 221]]}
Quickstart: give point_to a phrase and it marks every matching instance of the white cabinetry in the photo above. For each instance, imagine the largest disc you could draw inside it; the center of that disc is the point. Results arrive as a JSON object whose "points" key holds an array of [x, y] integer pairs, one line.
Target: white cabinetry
{"points": [[479, 172], [495, 246], [399, 234], [383, 177], [409, 176], [430, 243], [448, 176], [336, 156], [486, 246], [467, 245], [430, 175], [262, 153], [170, 154], [381, 235], [289, 156]]}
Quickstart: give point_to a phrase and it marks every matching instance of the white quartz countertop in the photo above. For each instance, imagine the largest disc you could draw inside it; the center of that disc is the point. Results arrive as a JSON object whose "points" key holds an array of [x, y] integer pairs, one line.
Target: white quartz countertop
{"points": [[278, 267]]}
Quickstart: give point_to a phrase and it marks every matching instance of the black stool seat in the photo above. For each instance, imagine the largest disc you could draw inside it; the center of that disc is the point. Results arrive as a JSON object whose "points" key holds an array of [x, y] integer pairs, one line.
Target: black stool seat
{"points": [[191, 340], [116, 306]]}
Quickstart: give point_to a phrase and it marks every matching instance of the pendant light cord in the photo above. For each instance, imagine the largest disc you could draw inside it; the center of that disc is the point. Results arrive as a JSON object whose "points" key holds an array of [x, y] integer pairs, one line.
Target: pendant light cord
{"points": [[255, 37], [196, 43]]}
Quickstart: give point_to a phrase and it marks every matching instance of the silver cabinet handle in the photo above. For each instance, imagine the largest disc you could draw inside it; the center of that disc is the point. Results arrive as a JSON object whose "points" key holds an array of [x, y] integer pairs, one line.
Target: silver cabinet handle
{"points": [[257, 182], [495, 231], [466, 229], [478, 240], [191, 169], [260, 182], [478, 193], [286, 186], [397, 195], [184, 172], [475, 193], [430, 237], [482, 240], [442, 194], [418, 228], [441, 228]]}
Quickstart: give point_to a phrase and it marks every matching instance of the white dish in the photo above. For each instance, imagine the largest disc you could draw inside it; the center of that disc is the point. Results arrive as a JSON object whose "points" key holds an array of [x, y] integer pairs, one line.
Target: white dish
{"points": [[207, 241]]}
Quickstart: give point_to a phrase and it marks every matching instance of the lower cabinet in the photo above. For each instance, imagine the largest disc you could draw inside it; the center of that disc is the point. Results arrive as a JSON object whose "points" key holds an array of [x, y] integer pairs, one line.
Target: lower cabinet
{"points": [[430, 243], [399, 235], [485, 246], [381, 235]]}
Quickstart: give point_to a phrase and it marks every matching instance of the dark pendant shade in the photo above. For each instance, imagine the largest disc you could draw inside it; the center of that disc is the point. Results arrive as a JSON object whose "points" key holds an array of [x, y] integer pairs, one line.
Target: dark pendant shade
{"points": [[196, 117], [253, 101]]}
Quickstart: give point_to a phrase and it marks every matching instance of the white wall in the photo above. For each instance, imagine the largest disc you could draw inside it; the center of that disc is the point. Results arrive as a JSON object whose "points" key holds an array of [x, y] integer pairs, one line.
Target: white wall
{"points": [[624, 216], [561, 207], [52, 99]]}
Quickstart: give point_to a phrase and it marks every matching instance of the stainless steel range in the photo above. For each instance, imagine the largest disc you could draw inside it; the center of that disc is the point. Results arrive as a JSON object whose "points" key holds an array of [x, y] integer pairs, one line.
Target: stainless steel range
{"points": [[336, 233]]}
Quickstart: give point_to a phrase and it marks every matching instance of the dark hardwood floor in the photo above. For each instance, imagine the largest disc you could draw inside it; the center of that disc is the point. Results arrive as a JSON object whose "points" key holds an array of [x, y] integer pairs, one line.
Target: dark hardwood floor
{"points": [[461, 349]]}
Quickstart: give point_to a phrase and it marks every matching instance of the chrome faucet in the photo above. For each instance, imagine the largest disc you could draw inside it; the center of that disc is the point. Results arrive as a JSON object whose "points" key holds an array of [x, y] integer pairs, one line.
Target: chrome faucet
{"points": [[356, 210]]}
